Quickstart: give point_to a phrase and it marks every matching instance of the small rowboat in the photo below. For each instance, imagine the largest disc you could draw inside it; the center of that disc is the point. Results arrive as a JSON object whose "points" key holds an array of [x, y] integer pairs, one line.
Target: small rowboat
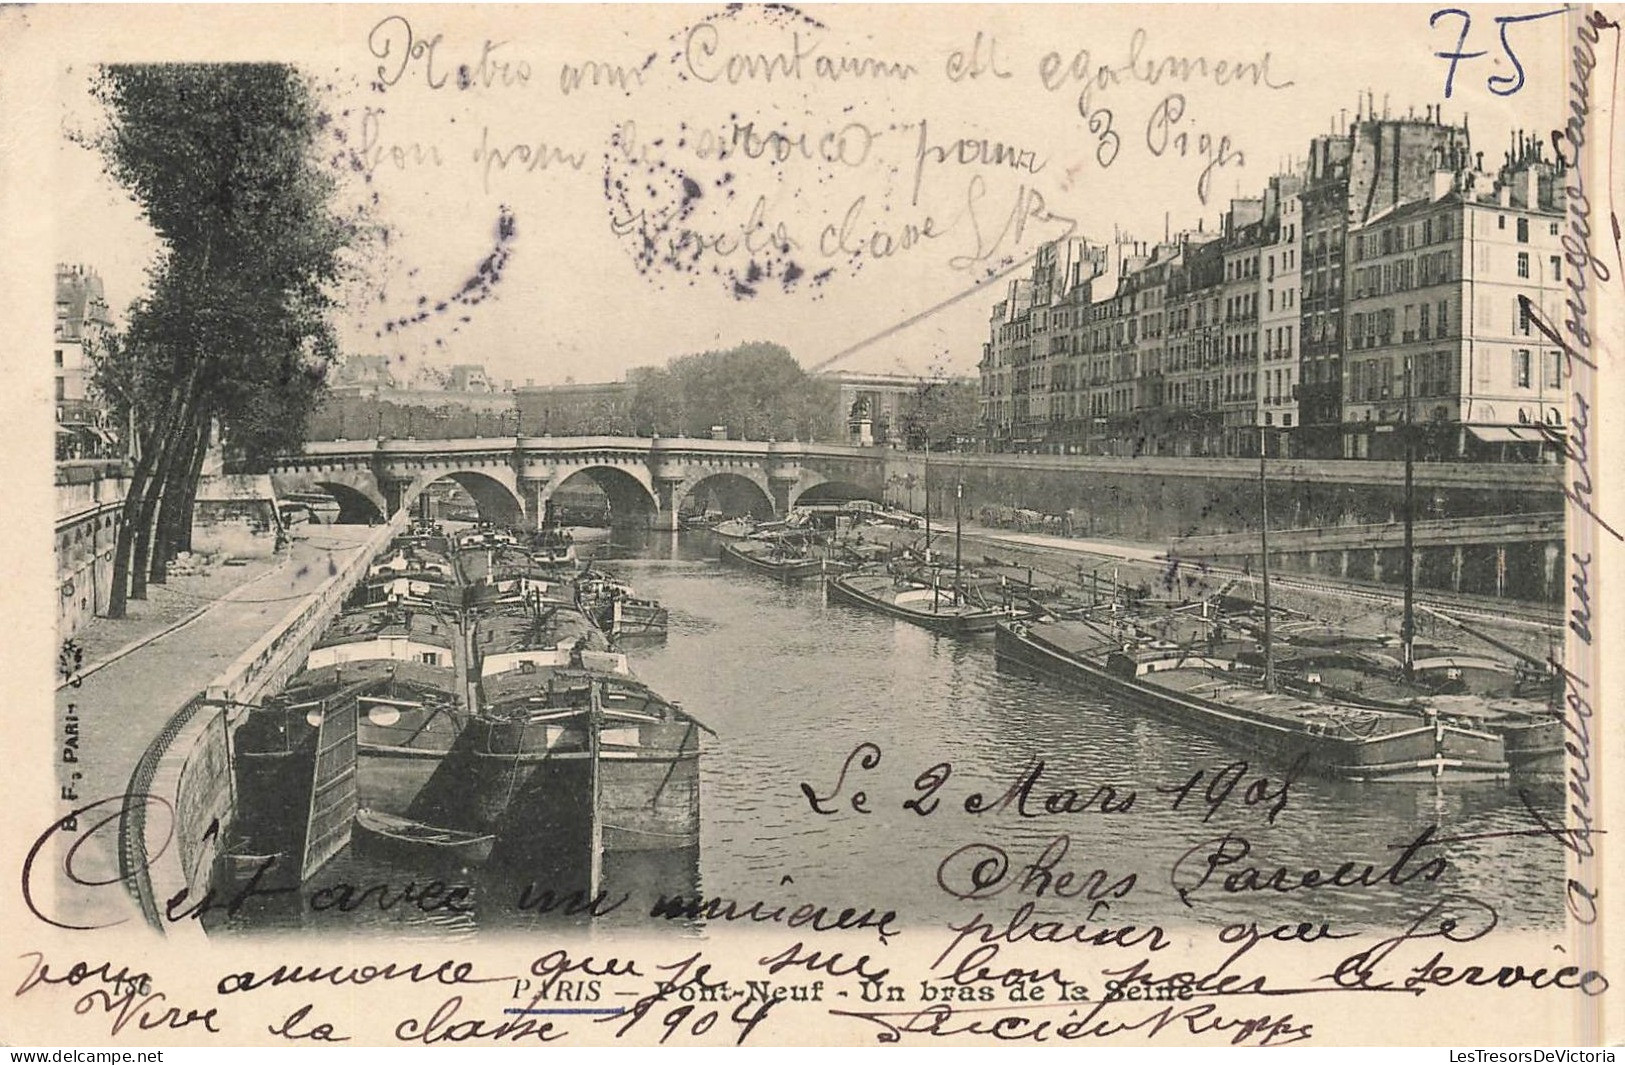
{"points": [[402, 833]]}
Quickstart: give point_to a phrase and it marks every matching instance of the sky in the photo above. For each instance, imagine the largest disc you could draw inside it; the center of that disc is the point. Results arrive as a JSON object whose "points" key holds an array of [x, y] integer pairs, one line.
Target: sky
{"points": [[853, 183]]}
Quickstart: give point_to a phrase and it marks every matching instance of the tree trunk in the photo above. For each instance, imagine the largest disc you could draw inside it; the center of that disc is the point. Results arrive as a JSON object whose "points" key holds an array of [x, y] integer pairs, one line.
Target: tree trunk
{"points": [[141, 548], [123, 544], [175, 501], [169, 451], [183, 540]]}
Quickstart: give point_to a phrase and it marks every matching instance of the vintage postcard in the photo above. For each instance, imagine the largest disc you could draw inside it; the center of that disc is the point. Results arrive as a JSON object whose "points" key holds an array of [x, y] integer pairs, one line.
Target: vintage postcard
{"points": [[720, 524]]}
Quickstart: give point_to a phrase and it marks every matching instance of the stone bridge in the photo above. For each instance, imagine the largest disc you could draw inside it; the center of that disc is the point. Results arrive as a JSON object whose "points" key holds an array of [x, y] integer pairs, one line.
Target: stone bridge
{"points": [[648, 481]]}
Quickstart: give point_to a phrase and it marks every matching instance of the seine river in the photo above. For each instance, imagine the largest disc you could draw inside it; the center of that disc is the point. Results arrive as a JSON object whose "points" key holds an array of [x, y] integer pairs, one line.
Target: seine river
{"points": [[792, 686]]}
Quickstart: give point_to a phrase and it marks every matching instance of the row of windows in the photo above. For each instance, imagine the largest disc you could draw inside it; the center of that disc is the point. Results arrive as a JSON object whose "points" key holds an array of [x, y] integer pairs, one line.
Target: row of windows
{"points": [[1237, 269], [1402, 238], [1373, 281], [1417, 322], [1289, 299], [1241, 308], [1522, 369], [1278, 342], [1419, 272], [1523, 227], [1278, 386], [1554, 267]]}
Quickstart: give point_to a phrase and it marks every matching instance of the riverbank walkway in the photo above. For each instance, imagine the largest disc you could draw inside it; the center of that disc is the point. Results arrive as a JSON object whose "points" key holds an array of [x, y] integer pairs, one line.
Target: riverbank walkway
{"points": [[136, 673]]}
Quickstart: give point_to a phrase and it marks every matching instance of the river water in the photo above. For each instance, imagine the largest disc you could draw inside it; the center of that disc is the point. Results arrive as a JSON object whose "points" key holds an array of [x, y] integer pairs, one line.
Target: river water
{"points": [[792, 686]]}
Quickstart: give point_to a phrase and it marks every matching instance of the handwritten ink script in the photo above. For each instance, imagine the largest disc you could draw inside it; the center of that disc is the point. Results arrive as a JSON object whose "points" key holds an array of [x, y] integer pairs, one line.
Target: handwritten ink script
{"points": [[701, 195]]}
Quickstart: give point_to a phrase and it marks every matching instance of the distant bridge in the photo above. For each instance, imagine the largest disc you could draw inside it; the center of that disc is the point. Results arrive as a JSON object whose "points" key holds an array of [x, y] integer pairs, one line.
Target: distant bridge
{"points": [[647, 480]]}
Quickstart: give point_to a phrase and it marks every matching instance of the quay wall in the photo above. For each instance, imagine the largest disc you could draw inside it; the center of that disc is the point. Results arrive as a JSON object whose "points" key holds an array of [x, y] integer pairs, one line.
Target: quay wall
{"points": [[87, 515], [1162, 501], [233, 515], [182, 804]]}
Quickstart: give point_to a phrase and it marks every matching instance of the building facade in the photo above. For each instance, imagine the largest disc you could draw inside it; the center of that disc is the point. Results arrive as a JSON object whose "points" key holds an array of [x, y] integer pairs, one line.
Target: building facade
{"points": [[1438, 336], [1280, 283], [84, 428], [1379, 284]]}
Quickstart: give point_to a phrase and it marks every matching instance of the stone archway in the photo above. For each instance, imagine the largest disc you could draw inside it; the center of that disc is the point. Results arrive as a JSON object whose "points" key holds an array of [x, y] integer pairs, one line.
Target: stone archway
{"points": [[355, 491], [493, 500], [734, 493], [355, 506], [835, 492], [626, 499]]}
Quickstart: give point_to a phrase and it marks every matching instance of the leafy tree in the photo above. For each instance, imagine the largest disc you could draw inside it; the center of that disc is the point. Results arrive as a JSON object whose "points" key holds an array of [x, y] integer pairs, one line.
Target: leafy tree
{"points": [[757, 390], [941, 411], [224, 162]]}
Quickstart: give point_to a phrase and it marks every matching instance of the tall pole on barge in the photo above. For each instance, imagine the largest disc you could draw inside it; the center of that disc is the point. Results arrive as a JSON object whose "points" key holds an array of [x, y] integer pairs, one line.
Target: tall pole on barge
{"points": [[595, 723], [1407, 626], [1264, 543], [959, 526], [925, 478]]}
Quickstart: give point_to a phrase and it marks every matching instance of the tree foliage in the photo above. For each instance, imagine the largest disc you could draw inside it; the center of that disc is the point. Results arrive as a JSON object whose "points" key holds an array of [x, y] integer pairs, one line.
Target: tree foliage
{"points": [[758, 391], [942, 411], [234, 330]]}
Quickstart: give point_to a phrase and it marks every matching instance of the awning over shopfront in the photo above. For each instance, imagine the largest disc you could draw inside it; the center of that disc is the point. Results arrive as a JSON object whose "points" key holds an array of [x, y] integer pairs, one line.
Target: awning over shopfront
{"points": [[1514, 434]]}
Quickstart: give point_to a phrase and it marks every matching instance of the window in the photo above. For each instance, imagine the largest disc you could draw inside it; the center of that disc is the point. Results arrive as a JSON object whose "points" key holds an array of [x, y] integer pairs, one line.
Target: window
{"points": [[1425, 309], [1523, 262], [61, 389], [1523, 318], [1443, 328], [1523, 231], [1500, 221], [59, 351], [1552, 364], [1520, 368], [1557, 267]]}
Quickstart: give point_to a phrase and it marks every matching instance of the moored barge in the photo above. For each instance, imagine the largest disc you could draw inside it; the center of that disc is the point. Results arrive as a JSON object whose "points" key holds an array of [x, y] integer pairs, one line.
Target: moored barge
{"points": [[1208, 690]]}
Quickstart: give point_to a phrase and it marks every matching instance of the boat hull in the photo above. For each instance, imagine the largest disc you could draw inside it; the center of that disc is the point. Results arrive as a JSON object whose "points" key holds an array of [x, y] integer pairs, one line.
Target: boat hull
{"points": [[1537, 748], [531, 785], [956, 623], [631, 617], [401, 836], [794, 570], [1423, 753]]}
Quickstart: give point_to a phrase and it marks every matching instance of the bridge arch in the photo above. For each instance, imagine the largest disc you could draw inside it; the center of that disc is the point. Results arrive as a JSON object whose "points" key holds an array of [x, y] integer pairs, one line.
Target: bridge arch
{"points": [[494, 500], [631, 504], [355, 491], [833, 491], [356, 507], [735, 493]]}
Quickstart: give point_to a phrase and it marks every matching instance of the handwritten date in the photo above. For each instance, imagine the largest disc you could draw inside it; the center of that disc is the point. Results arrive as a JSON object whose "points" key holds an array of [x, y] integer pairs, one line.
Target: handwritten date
{"points": [[1028, 797]]}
